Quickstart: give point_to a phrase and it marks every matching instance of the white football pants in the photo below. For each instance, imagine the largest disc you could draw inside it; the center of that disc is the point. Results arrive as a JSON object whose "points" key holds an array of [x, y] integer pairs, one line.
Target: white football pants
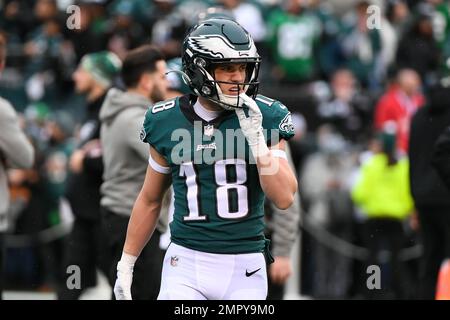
{"points": [[193, 275]]}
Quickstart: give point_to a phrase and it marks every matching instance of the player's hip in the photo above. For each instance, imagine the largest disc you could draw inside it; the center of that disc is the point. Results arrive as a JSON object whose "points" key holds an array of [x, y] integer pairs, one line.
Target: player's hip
{"points": [[213, 275]]}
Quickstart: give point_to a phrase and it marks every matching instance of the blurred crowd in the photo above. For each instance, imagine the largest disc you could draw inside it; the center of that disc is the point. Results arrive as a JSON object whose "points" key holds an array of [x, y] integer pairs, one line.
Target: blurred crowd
{"points": [[368, 100]]}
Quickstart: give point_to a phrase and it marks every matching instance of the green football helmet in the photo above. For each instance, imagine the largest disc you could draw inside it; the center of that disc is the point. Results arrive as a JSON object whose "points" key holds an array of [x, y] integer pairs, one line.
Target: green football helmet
{"points": [[218, 41]]}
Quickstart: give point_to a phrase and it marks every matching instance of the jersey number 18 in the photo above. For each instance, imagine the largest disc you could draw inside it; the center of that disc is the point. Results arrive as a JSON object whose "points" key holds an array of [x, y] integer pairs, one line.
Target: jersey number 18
{"points": [[231, 196]]}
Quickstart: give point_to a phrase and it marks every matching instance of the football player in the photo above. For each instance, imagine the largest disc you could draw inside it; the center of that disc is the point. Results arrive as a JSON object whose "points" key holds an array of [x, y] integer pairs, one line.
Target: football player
{"points": [[218, 249]]}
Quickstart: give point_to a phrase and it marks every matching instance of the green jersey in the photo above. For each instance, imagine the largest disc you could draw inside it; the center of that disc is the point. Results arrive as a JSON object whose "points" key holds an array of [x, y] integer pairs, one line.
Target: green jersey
{"points": [[219, 203], [441, 31], [293, 39], [441, 23]]}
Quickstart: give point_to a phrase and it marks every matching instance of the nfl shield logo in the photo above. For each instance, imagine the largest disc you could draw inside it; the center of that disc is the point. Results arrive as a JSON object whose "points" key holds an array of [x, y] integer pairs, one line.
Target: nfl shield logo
{"points": [[208, 130], [174, 261]]}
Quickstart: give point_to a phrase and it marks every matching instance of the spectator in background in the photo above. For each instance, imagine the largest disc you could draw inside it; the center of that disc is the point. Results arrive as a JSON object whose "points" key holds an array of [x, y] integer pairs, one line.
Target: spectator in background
{"points": [[361, 46], [398, 15], [43, 43], [124, 33], [15, 151], [142, 11], [429, 190], [418, 50], [13, 21], [402, 99], [440, 20], [48, 61], [93, 77], [85, 39], [441, 30], [126, 160], [330, 55], [325, 181], [440, 162], [382, 192], [169, 27], [54, 172], [50, 58], [249, 16], [394, 24], [441, 156], [348, 109], [293, 36]]}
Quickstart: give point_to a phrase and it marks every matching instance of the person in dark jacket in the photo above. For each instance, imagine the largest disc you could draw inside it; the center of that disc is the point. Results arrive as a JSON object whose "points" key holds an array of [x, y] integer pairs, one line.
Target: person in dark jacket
{"points": [[93, 77], [441, 156], [417, 49], [431, 197]]}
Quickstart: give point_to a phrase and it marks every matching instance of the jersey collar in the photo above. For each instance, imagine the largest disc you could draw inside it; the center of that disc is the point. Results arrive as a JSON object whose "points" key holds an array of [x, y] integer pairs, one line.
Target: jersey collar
{"points": [[186, 105]]}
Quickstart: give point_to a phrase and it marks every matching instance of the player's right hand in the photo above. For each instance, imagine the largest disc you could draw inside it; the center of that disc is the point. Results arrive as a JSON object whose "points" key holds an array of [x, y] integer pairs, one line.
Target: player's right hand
{"points": [[251, 126], [122, 287]]}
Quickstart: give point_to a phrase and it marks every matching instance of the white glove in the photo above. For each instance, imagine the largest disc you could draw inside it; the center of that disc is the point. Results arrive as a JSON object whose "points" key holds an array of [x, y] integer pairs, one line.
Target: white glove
{"points": [[252, 126], [122, 287]]}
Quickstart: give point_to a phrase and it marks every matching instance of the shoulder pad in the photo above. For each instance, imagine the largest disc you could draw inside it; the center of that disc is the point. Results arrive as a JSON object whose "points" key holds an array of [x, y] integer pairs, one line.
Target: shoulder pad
{"points": [[273, 104], [276, 116], [155, 114]]}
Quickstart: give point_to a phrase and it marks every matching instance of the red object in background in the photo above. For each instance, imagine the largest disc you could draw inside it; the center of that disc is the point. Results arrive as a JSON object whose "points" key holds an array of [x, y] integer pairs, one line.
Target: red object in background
{"points": [[394, 105], [443, 283]]}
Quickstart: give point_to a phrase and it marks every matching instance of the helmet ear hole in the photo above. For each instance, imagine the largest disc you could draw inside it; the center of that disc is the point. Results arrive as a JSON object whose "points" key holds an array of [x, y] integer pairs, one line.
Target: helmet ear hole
{"points": [[206, 90], [204, 83], [200, 62]]}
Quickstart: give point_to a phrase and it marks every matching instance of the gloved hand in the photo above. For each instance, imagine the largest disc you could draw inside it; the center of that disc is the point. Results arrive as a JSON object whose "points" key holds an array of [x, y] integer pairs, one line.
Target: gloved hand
{"points": [[252, 126], [122, 287]]}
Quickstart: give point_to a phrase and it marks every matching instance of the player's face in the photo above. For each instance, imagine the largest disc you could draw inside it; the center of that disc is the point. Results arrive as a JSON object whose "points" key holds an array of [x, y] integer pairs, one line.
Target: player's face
{"points": [[233, 73]]}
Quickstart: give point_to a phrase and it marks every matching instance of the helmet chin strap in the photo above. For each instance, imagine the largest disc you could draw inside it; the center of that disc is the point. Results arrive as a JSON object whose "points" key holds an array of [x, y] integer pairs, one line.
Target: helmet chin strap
{"points": [[231, 101]]}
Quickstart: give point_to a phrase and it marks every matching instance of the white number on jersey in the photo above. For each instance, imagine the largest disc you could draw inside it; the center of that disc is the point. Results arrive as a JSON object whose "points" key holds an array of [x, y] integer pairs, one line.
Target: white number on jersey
{"points": [[165, 105], [224, 190], [187, 170]]}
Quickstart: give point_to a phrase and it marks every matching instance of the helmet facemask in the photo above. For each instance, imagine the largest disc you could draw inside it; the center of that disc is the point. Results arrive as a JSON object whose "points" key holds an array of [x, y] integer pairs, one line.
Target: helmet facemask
{"points": [[211, 90]]}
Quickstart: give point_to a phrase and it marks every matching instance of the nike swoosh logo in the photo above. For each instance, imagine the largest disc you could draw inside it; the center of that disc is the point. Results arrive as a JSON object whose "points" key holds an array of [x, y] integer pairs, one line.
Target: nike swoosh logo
{"points": [[248, 274]]}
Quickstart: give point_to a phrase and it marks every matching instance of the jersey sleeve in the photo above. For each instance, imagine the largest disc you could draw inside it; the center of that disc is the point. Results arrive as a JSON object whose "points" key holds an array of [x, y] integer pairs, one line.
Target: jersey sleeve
{"points": [[277, 120]]}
